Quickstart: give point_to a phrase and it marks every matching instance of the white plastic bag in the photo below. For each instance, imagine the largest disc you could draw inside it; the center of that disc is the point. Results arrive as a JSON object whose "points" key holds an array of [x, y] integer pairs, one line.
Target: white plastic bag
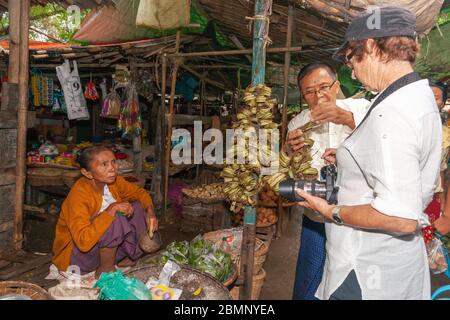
{"points": [[436, 256], [73, 92], [160, 288]]}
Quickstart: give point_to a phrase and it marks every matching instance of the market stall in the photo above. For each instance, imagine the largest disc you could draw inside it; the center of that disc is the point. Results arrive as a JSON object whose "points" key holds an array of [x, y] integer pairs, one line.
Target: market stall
{"points": [[130, 90]]}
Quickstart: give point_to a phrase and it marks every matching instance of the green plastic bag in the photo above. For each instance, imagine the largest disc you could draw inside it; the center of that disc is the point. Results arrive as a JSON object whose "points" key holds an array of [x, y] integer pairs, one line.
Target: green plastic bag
{"points": [[114, 286]]}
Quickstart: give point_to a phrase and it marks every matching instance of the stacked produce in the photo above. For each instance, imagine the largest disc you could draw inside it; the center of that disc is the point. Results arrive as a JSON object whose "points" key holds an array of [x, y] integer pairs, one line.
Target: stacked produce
{"points": [[264, 217], [296, 166], [242, 180], [208, 192], [201, 255], [268, 197]]}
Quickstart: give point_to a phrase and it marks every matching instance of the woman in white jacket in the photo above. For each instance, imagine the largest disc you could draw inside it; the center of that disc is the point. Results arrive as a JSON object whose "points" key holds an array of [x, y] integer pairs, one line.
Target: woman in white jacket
{"points": [[387, 170]]}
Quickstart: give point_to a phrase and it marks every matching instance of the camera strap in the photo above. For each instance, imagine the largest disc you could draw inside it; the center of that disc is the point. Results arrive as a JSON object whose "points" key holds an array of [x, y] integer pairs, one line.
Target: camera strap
{"points": [[397, 85]]}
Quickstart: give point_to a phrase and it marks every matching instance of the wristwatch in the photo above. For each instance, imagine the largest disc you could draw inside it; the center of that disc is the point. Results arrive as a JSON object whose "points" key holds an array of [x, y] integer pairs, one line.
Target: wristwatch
{"points": [[336, 215]]}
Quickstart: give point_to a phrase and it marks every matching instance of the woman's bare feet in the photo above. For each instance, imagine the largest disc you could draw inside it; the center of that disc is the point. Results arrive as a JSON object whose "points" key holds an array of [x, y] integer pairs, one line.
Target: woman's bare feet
{"points": [[127, 262]]}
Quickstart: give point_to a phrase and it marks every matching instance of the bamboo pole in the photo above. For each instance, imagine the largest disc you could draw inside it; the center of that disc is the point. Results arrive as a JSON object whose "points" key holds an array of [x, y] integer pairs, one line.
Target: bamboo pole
{"points": [[260, 31], [163, 171], [287, 64], [14, 40], [176, 65], [137, 140], [22, 122], [233, 52]]}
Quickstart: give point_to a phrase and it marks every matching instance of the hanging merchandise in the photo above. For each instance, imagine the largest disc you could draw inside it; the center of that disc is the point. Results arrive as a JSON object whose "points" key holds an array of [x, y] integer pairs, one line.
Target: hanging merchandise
{"points": [[103, 89], [91, 92], [59, 105], [162, 15], [46, 93], [73, 93], [111, 106], [35, 87], [130, 118], [122, 76]]}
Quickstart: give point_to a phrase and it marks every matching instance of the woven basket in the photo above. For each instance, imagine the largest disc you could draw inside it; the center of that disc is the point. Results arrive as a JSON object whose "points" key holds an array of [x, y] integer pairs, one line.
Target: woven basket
{"points": [[232, 278], [45, 177], [24, 288], [261, 250], [258, 282], [70, 177]]}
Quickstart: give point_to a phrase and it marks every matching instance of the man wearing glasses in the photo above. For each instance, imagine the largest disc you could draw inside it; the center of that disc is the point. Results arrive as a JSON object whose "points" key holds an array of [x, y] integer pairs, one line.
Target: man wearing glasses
{"points": [[336, 119]]}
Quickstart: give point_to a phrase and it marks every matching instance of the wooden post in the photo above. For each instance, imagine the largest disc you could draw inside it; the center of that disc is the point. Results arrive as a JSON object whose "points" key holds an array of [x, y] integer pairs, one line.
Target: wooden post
{"points": [[137, 140], [176, 65], [159, 171], [22, 121], [11, 94], [287, 64], [258, 74]]}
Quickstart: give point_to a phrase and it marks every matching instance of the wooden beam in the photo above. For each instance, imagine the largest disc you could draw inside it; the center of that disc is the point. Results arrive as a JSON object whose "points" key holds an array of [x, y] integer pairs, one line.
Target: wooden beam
{"points": [[201, 77], [239, 45], [22, 122], [233, 52], [176, 65], [287, 64], [14, 39]]}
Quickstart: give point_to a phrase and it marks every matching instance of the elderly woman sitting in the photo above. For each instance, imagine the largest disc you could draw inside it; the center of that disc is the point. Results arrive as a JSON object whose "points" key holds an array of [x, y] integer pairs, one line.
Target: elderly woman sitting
{"points": [[101, 218]]}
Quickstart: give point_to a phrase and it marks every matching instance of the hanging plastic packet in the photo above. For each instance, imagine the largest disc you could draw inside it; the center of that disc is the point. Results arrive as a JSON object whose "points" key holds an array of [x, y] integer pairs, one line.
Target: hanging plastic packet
{"points": [[111, 106], [46, 91], [436, 256], [160, 288], [36, 87], [91, 92], [130, 123]]}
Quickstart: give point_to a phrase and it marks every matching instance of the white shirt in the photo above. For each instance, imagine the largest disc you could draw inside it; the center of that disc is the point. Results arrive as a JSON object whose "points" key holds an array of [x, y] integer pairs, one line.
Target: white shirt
{"points": [[329, 138], [108, 199], [391, 162]]}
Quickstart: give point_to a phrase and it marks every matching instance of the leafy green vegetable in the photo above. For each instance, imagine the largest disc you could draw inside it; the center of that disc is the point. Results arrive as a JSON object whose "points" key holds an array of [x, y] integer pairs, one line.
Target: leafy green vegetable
{"points": [[201, 255]]}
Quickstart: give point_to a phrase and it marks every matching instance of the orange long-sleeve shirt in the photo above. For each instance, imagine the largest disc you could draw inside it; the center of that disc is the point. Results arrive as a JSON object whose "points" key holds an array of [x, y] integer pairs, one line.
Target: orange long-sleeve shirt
{"points": [[74, 226]]}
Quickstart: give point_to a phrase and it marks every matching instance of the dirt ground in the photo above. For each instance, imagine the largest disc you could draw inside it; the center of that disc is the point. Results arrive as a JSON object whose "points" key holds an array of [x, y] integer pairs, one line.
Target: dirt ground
{"points": [[279, 266]]}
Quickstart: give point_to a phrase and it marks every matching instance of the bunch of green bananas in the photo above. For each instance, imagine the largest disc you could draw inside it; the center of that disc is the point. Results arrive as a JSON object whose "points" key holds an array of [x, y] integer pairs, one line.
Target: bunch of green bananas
{"points": [[297, 166], [242, 181]]}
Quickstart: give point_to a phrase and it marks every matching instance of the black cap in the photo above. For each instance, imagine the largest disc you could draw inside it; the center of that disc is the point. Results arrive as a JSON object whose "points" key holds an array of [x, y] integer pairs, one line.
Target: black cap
{"points": [[379, 22]]}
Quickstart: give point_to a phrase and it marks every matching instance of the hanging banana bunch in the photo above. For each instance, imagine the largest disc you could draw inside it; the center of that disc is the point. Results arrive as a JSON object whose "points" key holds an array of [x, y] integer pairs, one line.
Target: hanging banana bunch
{"points": [[297, 166], [242, 180]]}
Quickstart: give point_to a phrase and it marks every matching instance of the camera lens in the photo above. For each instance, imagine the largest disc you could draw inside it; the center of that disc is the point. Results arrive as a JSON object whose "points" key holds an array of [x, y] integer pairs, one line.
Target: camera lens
{"points": [[288, 190]]}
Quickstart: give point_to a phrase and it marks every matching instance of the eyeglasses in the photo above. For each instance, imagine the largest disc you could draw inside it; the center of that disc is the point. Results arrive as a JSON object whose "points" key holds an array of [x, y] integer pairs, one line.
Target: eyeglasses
{"points": [[348, 58], [323, 88]]}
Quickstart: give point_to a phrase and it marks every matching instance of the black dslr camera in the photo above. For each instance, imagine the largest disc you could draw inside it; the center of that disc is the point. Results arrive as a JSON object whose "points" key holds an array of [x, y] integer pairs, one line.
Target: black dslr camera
{"points": [[325, 190]]}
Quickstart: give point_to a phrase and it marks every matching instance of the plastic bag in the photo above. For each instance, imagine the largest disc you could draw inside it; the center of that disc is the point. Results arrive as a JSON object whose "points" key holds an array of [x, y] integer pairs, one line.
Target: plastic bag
{"points": [[160, 288], [111, 106], [48, 149], [114, 286], [436, 256], [166, 14], [176, 251], [91, 91], [130, 123], [73, 94], [227, 240]]}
